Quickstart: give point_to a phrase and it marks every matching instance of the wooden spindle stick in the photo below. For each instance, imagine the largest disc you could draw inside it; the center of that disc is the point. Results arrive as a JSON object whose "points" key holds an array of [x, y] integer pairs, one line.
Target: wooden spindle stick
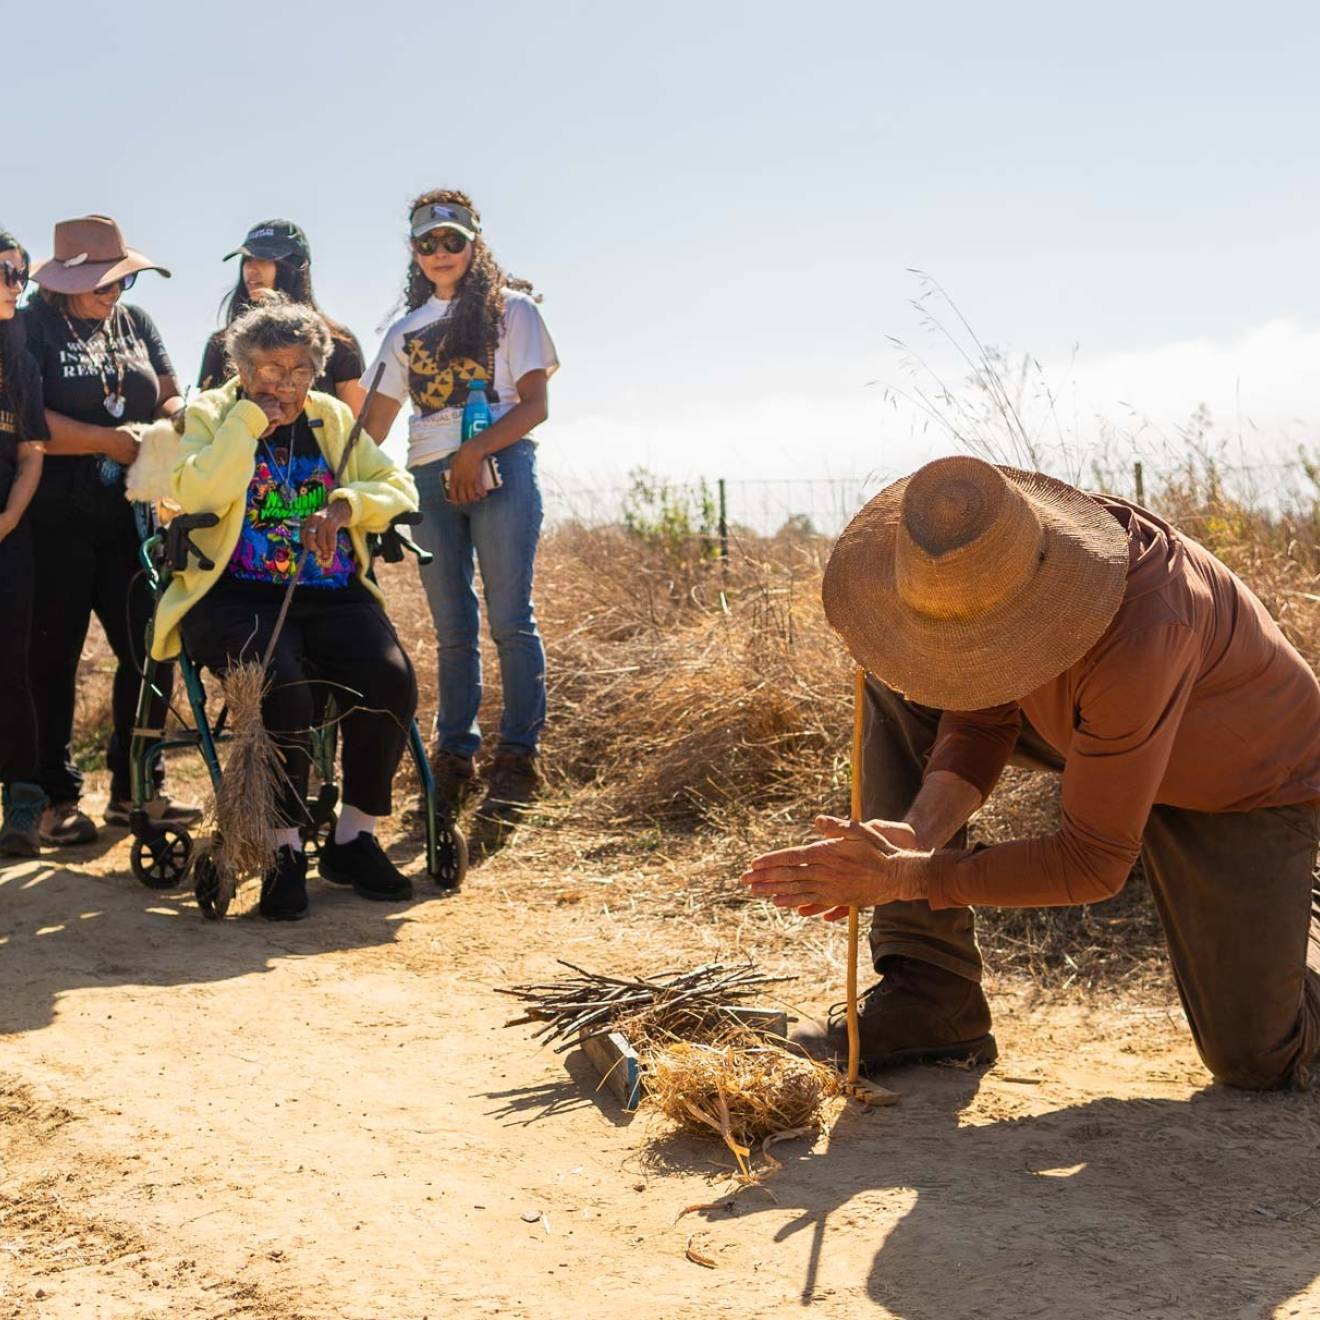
{"points": [[854, 923]]}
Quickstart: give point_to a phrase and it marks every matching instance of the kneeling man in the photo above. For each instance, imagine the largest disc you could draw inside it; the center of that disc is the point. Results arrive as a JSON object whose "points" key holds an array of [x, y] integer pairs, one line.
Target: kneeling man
{"points": [[1005, 616]]}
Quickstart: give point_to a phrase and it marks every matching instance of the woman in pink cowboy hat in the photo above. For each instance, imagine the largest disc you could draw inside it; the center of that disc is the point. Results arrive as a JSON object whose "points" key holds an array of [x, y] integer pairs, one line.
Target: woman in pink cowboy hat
{"points": [[104, 369]]}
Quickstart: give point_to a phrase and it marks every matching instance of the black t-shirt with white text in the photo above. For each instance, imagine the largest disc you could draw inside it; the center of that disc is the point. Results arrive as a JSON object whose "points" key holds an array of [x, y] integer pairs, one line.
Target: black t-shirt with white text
{"points": [[346, 364], [16, 429], [78, 360]]}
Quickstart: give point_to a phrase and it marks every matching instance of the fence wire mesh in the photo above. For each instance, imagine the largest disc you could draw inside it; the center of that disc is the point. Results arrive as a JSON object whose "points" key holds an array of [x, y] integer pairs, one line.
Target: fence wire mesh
{"points": [[821, 505]]}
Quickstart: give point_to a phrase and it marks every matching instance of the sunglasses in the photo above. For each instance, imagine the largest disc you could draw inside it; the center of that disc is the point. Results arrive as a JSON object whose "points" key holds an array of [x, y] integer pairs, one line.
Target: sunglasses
{"points": [[122, 285], [450, 239], [16, 277]]}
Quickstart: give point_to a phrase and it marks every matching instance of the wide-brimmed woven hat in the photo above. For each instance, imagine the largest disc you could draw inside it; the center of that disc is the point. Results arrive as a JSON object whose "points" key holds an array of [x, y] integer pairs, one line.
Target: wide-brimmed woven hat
{"points": [[90, 252], [967, 585]]}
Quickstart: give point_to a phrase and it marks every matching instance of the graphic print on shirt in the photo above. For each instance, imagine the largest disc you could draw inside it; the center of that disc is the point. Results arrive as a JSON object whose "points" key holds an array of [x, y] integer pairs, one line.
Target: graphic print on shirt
{"points": [[269, 545], [434, 382]]}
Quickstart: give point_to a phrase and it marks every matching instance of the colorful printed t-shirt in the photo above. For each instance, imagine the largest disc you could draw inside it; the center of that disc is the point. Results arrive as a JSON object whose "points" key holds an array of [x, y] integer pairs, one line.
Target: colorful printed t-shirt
{"points": [[291, 481]]}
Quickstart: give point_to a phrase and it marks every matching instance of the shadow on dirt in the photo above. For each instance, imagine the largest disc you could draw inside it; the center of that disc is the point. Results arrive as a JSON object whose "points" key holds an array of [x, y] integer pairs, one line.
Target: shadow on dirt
{"points": [[1112, 1208], [64, 929]]}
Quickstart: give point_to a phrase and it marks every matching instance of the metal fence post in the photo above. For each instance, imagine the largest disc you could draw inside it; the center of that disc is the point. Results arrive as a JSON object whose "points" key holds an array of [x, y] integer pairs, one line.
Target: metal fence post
{"points": [[724, 522]]}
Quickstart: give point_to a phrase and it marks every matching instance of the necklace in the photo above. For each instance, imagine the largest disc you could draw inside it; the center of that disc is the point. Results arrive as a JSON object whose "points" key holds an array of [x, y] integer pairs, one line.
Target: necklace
{"points": [[284, 476], [105, 360]]}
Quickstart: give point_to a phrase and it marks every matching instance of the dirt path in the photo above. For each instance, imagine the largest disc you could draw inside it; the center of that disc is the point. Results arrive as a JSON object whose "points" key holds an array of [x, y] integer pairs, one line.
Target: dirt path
{"points": [[328, 1121]]}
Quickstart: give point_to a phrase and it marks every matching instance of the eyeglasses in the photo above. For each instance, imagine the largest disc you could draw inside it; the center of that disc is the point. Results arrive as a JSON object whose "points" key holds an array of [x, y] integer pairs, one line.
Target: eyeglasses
{"points": [[16, 277], [274, 378], [122, 285], [450, 239]]}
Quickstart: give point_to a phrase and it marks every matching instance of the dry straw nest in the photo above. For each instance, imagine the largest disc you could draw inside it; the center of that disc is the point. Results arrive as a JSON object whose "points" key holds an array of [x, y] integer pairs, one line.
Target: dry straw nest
{"points": [[742, 1087]]}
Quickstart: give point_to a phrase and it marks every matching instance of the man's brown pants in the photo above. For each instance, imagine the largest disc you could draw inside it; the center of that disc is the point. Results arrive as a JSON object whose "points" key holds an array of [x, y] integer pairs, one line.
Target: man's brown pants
{"points": [[1238, 894]]}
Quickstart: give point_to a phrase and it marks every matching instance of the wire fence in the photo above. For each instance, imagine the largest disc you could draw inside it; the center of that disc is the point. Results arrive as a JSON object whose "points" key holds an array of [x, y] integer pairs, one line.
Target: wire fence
{"points": [[821, 505]]}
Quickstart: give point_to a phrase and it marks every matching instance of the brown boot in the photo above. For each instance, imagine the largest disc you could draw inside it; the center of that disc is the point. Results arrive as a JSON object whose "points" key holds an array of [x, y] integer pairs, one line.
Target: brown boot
{"points": [[917, 1012], [512, 785], [455, 784]]}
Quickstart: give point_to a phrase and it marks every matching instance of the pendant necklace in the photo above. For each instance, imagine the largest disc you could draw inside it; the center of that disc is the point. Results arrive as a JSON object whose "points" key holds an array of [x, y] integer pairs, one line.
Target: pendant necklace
{"points": [[284, 477], [104, 360]]}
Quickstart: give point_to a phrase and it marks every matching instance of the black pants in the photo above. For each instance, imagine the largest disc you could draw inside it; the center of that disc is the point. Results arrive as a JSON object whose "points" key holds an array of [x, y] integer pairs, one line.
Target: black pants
{"points": [[18, 716], [86, 565], [1238, 893], [335, 641]]}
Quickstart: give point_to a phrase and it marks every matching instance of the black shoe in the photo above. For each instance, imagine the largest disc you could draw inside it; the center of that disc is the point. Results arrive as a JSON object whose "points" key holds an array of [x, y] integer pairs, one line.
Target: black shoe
{"points": [[284, 887], [363, 864]]}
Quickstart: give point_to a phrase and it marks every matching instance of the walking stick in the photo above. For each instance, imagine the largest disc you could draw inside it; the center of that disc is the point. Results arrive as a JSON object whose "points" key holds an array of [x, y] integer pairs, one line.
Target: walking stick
{"points": [[854, 922]]}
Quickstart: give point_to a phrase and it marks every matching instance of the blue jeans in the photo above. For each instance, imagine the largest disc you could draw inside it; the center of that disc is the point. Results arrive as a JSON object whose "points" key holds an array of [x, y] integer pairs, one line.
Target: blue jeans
{"points": [[500, 533]]}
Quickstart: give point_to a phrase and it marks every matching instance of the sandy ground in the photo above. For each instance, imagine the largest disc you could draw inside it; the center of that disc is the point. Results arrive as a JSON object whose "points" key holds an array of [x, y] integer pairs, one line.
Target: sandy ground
{"points": [[328, 1120]]}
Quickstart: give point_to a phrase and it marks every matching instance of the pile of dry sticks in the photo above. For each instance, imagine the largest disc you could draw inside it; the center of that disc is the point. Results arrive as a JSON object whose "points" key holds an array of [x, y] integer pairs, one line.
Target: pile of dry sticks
{"points": [[680, 1005]]}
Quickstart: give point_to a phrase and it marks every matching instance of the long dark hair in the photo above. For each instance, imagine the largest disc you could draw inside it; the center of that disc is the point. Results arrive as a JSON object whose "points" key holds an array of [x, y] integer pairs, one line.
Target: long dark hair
{"points": [[472, 328], [13, 344], [293, 278]]}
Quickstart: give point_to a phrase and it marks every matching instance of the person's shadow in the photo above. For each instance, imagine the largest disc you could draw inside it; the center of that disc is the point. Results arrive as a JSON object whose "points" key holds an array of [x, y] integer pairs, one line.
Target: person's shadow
{"points": [[1201, 1208], [64, 929]]}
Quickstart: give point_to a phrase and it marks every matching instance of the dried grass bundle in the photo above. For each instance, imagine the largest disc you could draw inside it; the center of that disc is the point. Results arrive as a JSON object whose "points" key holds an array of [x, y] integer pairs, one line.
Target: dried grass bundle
{"points": [[741, 1087], [245, 803]]}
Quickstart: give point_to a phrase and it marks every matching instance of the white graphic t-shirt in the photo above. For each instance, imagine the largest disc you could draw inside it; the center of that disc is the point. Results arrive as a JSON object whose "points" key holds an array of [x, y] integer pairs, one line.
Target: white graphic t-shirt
{"points": [[438, 388]]}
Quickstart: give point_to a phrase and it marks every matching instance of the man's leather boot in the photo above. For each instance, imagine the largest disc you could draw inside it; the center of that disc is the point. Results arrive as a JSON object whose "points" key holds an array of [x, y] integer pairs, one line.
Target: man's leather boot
{"points": [[915, 1013]]}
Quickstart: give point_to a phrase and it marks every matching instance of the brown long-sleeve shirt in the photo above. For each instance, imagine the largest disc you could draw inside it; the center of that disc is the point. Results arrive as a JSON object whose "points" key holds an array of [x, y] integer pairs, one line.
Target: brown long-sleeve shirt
{"points": [[1192, 698]]}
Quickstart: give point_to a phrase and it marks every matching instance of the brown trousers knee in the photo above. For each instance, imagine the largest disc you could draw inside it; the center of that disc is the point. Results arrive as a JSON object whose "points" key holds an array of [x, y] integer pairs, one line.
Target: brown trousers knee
{"points": [[1238, 894]]}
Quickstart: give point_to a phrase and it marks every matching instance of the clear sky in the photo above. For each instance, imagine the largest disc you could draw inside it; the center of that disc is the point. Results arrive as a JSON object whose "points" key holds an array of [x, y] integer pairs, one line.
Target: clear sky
{"points": [[721, 202]]}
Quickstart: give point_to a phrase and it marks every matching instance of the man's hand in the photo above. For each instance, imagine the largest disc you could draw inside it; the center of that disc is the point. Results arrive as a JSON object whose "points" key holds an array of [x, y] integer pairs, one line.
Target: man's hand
{"points": [[465, 486], [897, 832], [7, 524], [855, 865], [320, 531]]}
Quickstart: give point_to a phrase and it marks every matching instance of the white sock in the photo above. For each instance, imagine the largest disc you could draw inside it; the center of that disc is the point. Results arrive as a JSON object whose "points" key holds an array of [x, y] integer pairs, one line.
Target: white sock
{"points": [[353, 822], [288, 839]]}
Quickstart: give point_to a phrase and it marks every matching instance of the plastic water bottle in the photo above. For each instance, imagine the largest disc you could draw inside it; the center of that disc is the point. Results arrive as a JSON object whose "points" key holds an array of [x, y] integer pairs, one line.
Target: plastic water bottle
{"points": [[476, 411]]}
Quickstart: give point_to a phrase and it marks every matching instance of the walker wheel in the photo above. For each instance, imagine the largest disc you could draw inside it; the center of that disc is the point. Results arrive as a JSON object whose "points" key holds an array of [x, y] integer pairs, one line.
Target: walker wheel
{"points": [[160, 859], [209, 889], [451, 856]]}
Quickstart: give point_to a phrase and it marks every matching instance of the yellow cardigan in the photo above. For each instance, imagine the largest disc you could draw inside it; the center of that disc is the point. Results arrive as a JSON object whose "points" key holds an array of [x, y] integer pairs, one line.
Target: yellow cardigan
{"points": [[216, 460]]}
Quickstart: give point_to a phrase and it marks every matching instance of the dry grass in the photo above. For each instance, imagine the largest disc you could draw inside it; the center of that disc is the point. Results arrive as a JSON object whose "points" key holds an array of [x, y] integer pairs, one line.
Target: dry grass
{"points": [[741, 1088], [700, 713], [245, 804]]}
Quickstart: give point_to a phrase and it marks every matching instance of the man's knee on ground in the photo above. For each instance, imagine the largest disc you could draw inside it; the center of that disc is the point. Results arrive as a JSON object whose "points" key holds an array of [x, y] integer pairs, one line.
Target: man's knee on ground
{"points": [[1247, 1068]]}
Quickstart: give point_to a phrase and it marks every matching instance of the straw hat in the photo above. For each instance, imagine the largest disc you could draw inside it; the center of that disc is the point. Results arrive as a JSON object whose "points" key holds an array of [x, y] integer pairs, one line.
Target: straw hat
{"points": [[966, 585], [90, 252]]}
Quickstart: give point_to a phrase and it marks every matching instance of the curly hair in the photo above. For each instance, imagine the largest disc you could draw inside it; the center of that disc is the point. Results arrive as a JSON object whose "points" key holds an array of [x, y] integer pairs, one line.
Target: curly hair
{"points": [[13, 342], [278, 322], [472, 328]]}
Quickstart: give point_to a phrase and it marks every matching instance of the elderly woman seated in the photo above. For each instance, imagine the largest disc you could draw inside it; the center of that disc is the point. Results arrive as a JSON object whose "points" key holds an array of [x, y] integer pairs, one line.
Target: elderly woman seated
{"points": [[262, 452]]}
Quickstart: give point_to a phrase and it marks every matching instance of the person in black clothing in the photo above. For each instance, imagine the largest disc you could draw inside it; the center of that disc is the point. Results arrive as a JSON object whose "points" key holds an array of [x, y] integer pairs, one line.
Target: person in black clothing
{"points": [[277, 258], [265, 453], [103, 368], [22, 431]]}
